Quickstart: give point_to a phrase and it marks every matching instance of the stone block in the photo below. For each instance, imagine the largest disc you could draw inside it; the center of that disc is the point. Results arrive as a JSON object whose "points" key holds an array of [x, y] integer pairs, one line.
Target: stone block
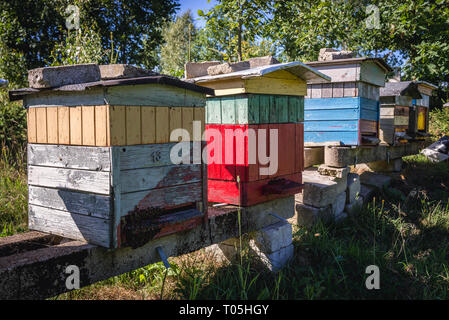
{"points": [[307, 216], [357, 204], [333, 172], [273, 237], [313, 156], [338, 206], [276, 260], [366, 193], [394, 165], [228, 68], [320, 191], [52, 77], [123, 71], [375, 180], [262, 61], [353, 187], [198, 69]]}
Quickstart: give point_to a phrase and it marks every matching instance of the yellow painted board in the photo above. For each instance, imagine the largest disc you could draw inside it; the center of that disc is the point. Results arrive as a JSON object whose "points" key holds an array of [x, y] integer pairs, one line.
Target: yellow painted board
{"points": [[175, 120], [41, 125], [88, 127], [148, 124], [263, 85], [52, 125], [421, 120], [133, 126], [199, 115], [63, 125], [162, 125], [187, 121], [31, 120], [101, 125], [76, 126], [117, 121]]}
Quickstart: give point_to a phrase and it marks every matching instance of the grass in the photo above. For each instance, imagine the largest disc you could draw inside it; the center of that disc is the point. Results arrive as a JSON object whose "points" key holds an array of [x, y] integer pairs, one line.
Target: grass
{"points": [[404, 231], [13, 195]]}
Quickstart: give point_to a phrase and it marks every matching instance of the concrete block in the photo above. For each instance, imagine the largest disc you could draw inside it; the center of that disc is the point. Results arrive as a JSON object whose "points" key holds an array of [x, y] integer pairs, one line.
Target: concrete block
{"points": [[353, 187], [262, 61], [276, 260], [366, 193], [307, 216], [313, 156], [228, 68], [198, 69], [328, 54], [333, 172], [123, 71], [226, 251], [51, 77], [320, 191], [273, 237], [394, 165], [339, 204], [357, 204], [375, 180]]}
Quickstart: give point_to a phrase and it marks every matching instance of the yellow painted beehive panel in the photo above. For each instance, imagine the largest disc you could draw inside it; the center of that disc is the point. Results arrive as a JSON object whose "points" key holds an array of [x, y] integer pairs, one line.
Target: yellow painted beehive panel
{"points": [[110, 125]]}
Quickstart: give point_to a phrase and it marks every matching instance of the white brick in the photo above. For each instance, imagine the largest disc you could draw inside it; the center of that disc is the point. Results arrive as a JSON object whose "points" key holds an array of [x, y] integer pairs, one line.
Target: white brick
{"points": [[308, 215], [273, 237]]}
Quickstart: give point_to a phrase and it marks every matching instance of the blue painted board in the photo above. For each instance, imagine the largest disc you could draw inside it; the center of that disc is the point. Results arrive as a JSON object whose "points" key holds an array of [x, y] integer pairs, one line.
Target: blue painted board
{"points": [[335, 126], [347, 137]]}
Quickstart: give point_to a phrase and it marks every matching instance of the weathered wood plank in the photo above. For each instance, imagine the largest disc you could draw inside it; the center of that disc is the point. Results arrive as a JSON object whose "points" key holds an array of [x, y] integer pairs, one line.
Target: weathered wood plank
{"points": [[73, 226], [92, 97], [101, 126], [147, 156], [148, 125], [88, 126], [117, 122], [80, 180], [133, 122], [41, 125], [159, 177], [74, 202], [74, 157], [162, 125], [163, 198]]}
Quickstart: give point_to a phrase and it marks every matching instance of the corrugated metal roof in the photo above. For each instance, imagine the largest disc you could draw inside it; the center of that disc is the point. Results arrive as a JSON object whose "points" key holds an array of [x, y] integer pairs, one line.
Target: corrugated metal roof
{"points": [[161, 79], [297, 68], [401, 88], [381, 62]]}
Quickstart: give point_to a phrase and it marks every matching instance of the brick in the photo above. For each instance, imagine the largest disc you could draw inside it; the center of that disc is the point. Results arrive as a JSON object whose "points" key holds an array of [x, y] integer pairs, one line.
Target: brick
{"points": [[52, 77], [307, 216], [339, 204], [313, 156], [276, 260], [228, 68], [375, 180], [273, 237], [320, 191], [198, 69], [333, 172], [123, 71]]}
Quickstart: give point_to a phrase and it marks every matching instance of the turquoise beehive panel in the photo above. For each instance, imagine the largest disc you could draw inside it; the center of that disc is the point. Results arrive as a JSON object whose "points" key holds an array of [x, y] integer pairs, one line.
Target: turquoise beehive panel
{"points": [[337, 119]]}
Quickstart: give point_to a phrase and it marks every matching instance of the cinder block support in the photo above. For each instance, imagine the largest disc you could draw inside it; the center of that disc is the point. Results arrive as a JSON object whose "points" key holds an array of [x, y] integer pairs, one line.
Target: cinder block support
{"points": [[394, 165], [273, 245], [353, 188]]}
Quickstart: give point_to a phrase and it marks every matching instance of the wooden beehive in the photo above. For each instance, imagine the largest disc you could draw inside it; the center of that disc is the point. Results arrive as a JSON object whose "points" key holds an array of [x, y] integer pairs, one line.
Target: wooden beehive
{"points": [[419, 113], [345, 111], [99, 162], [256, 100], [396, 99]]}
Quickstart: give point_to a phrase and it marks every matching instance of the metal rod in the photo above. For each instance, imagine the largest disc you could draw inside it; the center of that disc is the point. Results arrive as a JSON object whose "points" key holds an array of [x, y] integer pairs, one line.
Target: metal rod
{"points": [[278, 217], [163, 257]]}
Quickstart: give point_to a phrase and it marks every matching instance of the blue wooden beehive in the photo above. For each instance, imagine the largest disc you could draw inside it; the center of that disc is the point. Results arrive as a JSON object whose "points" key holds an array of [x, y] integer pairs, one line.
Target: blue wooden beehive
{"points": [[345, 111]]}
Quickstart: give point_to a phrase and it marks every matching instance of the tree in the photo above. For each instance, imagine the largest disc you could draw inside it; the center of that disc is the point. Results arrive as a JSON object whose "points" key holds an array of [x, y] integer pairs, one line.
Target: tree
{"points": [[179, 45], [31, 29], [232, 24]]}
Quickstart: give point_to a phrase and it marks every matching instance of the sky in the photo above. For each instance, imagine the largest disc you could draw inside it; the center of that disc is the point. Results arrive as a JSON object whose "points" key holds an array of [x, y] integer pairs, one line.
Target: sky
{"points": [[194, 6]]}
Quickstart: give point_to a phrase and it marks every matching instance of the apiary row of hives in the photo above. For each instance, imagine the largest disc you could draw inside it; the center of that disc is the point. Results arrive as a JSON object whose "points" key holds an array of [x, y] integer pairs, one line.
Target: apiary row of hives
{"points": [[104, 164]]}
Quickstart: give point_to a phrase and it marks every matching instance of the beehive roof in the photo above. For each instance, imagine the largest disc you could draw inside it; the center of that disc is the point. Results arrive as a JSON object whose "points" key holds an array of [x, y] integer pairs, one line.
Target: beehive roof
{"points": [[379, 61], [402, 88], [18, 94], [296, 68]]}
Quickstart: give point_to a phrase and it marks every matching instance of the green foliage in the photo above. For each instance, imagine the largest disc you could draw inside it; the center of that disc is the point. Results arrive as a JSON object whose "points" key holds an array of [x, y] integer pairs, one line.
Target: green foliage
{"points": [[79, 46], [13, 135], [439, 122], [30, 30], [235, 29]]}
